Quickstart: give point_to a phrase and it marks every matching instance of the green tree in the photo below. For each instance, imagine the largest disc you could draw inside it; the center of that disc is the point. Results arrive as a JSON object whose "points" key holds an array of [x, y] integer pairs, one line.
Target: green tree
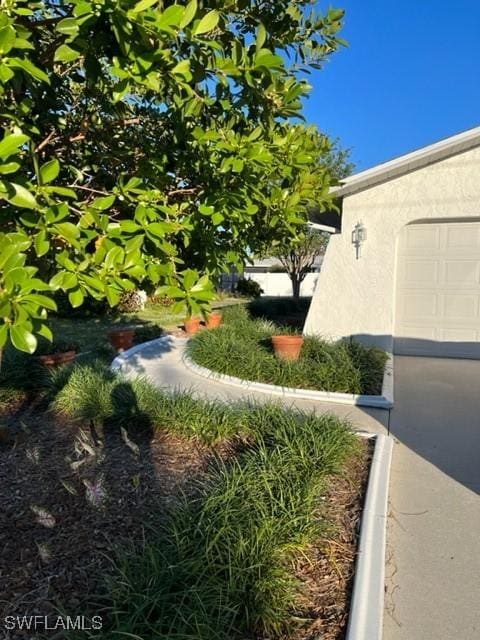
{"points": [[300, 255], [299, 252], [151, 142]]}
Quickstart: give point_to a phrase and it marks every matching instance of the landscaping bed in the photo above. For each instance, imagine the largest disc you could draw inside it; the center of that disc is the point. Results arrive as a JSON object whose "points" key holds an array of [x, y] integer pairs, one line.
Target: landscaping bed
{"points": [[242, 348], [221, 521]]}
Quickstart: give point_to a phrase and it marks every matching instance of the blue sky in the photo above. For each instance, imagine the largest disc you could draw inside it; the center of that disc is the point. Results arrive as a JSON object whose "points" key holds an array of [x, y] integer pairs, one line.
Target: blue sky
{"points": [[410, 77]]}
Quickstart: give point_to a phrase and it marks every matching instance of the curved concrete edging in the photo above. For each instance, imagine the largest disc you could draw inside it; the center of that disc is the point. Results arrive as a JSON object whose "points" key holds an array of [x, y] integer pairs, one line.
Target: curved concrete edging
{"points": [[120, 362], [367, 606], [384, 401]]}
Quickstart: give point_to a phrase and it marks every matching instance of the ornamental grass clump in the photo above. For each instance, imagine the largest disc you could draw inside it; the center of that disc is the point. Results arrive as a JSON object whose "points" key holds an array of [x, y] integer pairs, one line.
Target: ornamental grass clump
{"points": [[223, 566], [242, 348], [93, 393]]}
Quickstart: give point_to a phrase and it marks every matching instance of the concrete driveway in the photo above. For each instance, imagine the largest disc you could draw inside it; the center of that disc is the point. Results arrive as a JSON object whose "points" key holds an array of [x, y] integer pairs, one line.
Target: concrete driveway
{"points": [[433, 585]]}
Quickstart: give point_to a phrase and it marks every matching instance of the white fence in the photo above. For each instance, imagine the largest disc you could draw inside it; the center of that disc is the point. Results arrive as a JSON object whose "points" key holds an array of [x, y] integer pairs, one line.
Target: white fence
{"points": [[279, 284]]}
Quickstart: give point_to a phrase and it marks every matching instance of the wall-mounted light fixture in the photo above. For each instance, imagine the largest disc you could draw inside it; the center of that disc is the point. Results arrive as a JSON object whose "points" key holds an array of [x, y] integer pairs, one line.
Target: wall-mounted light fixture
{"points": [[359, 235]]}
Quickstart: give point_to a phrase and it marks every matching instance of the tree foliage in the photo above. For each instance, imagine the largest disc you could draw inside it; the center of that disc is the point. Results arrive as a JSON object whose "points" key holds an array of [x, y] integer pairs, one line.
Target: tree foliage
{"points": [[149, 142], [299, 256]]}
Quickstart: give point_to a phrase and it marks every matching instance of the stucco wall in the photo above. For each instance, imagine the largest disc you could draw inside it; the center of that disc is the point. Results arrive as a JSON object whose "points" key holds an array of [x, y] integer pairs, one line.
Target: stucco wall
{"points": [[356, 297], [279, 284]]}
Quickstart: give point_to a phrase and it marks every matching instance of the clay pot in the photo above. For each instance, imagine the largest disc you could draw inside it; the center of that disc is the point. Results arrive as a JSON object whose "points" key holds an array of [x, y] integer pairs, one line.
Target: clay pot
{"points": [[52, 360], [287, 347], [214, 320], [121, 339], [191, 326]]}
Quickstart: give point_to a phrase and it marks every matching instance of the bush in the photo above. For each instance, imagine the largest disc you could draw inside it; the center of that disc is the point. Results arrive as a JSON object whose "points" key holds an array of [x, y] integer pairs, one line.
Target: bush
{"points": [[242, 348], [279, 308], [89, 308], [249, 288], [131, 302]]}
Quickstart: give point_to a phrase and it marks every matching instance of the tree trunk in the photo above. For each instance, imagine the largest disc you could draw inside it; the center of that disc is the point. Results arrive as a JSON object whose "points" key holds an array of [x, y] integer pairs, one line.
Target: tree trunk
{"points": [[296, 283]]}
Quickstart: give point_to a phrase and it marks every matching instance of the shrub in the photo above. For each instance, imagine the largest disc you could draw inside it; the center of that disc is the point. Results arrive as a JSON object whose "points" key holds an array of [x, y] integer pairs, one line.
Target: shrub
{"points": [[90, 307], [249, 288], [131, 302], [45, 347], [147, 332]]}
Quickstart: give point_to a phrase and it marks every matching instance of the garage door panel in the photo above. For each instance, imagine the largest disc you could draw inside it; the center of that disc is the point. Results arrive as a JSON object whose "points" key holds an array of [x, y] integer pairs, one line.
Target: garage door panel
{"points": [[460, 306], [421, 273], [462, 272], [437, 311], [422, 237], [462, 236]]}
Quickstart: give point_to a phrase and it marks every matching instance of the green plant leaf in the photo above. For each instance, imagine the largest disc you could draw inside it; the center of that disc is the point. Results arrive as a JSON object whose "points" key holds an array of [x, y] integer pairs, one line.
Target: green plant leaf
{"points": [[103, 203], [9, 167], [11, 144], [49, 171], [266, 58], [7, 39], [76, 298], [68, 230], [261, 37], [26, 65], [22, 338], [143, 5], [189, 14], [42, 245], [68, 26], [20, 196], [207, 23], [42, 301], [64, 53]]}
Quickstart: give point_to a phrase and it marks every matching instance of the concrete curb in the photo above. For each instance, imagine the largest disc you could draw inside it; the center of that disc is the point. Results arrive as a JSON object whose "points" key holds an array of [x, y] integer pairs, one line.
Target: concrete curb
{"points": [[120, 362], [367, 606], [384, 401]]}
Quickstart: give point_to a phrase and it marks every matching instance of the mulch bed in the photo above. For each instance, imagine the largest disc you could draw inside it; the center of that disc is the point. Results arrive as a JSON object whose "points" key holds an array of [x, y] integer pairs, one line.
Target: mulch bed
{"points": [[328, 571], [69, 495]]}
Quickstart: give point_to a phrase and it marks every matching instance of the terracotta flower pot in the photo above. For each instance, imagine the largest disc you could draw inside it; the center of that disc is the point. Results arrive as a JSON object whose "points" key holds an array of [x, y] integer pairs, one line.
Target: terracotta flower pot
{"points": [[121, 339], [214, 320], [191, 325], [287, 347], [52, 360]]}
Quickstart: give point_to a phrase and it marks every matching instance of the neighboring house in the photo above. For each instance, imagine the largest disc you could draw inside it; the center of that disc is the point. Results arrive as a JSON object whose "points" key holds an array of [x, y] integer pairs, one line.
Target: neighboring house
{"points": [[272, 277], [403, 269]]}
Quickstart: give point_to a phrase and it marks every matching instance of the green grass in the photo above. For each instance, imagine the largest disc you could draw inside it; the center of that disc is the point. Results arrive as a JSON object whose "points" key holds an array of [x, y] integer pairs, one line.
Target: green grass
{"points": [[242, 348], [91, 333], [20, 374]]}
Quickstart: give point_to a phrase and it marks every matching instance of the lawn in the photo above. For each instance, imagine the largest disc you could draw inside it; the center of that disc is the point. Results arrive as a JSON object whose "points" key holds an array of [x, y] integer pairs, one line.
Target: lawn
{"points": [[242, 348], [91, 332], [173, 517]]}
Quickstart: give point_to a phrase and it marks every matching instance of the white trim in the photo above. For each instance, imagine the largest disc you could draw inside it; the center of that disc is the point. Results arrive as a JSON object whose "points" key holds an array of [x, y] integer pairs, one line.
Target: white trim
{"points": [[409, 162], [383, 401], [367, 605], [322, 227]]}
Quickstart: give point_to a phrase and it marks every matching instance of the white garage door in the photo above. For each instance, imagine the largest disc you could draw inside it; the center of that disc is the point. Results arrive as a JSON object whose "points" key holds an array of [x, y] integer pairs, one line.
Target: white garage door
{"points": [[437, 310]]}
